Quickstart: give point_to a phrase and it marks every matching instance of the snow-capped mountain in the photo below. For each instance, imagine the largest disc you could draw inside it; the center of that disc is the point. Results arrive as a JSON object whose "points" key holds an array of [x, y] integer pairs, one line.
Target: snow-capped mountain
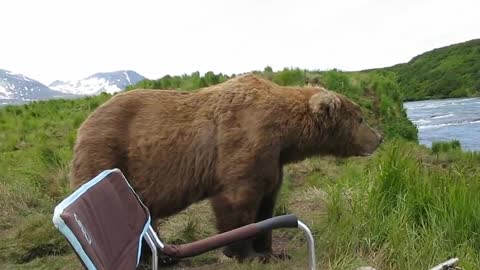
{"points": [[110, 82], [17, 87]]}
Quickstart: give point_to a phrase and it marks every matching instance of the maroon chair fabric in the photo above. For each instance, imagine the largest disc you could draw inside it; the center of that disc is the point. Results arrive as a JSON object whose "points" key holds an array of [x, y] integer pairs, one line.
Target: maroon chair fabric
{"points": [[104, 221]]}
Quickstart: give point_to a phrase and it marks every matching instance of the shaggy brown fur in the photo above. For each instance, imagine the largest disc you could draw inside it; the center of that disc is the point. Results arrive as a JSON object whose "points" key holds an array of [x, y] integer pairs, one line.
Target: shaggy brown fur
{"points": [[227, 143]]}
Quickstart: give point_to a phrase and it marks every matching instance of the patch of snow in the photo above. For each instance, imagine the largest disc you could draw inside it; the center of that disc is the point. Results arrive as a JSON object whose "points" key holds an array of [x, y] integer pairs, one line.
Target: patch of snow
{"points": [[128, 77], [111, 89], [90, 86], [3, 90], [4, 93]]}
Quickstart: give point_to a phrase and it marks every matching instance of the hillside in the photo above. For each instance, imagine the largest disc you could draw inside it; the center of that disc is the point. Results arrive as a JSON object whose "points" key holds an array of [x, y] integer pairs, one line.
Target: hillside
{"points": [[405, 207], [447, 72]]}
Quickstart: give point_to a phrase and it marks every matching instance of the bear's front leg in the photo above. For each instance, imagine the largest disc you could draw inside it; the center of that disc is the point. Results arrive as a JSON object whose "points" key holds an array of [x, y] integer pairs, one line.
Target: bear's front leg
{"points": [[234, 208], [263, 242]]}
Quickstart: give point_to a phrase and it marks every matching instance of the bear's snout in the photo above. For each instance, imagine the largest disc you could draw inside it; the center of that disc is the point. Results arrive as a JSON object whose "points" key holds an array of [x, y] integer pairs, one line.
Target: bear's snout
{"points": [[367, 140]]}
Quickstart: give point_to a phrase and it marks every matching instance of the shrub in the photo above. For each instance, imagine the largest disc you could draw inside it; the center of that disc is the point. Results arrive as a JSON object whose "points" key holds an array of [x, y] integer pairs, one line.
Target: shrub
{"points": [[438, 147], [290, 77]]}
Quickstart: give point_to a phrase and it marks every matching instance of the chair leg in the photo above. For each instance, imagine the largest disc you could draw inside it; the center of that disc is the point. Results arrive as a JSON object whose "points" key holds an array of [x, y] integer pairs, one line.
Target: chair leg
{"points": [[155, 238], [154, 251], [311, 245]]}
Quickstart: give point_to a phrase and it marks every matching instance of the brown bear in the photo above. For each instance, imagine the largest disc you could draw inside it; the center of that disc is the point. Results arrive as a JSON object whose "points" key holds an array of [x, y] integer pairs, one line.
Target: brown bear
{"points": [[227, 143]]}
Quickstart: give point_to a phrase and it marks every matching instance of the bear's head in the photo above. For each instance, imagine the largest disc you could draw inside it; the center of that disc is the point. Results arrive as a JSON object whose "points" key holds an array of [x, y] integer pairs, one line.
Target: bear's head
{"points": [[341, 126]]}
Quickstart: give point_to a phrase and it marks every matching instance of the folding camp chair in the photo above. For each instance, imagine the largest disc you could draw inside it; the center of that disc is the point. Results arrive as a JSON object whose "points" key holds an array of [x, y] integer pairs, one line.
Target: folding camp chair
{"points": [[105, 221]]}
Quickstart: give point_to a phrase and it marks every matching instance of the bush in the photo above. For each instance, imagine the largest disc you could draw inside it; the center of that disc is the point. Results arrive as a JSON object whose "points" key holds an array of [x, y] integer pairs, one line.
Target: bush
{"points": [[340, 82], [438, 147], [290, 77], [185, 82]]}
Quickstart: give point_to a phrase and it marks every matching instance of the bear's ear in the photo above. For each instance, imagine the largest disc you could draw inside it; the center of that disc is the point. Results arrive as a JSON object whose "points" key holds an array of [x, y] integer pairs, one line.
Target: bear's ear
{"points": [[325, 103]]}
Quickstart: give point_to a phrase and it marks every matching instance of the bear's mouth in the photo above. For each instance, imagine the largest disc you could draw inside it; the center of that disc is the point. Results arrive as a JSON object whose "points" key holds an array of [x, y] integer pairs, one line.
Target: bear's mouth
{"points": [[368, 151]]}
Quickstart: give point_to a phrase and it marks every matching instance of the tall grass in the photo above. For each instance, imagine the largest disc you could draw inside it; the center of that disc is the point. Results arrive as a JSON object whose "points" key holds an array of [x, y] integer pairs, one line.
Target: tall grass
{"points": [[406, 214], [35, 149]]}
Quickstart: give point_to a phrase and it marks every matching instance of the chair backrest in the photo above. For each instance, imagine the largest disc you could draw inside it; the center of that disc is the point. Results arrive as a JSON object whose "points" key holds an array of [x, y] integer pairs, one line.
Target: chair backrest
{"points": [[104, 221]]}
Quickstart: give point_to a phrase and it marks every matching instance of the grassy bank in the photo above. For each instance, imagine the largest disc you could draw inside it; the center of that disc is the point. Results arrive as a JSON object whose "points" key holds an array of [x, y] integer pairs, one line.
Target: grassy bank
{"points": [[406, 207], [409, 209]]}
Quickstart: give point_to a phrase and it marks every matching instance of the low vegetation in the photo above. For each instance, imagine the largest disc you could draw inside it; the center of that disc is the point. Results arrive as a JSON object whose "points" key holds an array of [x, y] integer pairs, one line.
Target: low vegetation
{"points": [[405, 207]]}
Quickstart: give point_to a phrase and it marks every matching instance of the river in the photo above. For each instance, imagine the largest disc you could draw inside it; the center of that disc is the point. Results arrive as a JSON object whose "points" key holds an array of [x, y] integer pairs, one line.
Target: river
{"points": [[447, 119]]}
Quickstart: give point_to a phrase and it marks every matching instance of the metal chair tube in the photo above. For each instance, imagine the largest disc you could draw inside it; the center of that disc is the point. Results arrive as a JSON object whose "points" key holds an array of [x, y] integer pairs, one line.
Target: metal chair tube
{"points": [[153, 247], [311, 245], [446, 265], [155, 238]]}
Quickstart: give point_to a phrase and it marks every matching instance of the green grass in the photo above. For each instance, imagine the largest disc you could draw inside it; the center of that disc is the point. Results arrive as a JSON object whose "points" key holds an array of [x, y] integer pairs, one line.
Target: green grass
{"points": [[438, 147], [409, 212], [35, 152], [406, 207]]}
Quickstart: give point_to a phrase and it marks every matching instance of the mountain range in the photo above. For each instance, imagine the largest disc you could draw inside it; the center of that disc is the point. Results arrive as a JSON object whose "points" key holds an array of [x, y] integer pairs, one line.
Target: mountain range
{"points": [[18, 88], [110, 82], [21, 88]]}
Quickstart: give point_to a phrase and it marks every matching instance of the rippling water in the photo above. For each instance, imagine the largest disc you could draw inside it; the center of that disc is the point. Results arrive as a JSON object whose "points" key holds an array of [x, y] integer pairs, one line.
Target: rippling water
{"points": [[447, 119]]}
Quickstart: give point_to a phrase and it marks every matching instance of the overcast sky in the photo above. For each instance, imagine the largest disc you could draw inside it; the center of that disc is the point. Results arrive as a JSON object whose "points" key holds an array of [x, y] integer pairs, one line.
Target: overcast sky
{"points": [[49, 40]]}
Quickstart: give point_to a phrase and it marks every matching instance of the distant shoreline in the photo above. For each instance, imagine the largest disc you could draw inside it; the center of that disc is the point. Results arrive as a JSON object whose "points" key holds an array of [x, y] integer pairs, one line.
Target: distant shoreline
{"points": [[440, 98], [446, 98]]}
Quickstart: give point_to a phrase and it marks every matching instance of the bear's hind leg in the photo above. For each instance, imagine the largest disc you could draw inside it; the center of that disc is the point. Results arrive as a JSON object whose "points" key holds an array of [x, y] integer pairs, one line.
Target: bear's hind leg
{"points": [[233, 209]]}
